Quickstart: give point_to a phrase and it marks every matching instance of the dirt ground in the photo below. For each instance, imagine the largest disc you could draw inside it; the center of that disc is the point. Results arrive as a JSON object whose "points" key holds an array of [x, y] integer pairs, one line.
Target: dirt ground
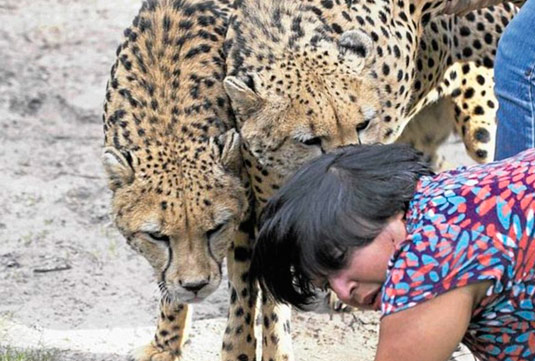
{"points": [[67, 278]]}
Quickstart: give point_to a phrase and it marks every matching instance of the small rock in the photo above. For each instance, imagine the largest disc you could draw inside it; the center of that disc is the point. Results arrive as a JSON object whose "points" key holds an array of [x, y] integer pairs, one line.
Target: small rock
{"points": [[9, 260], [51, 264]]}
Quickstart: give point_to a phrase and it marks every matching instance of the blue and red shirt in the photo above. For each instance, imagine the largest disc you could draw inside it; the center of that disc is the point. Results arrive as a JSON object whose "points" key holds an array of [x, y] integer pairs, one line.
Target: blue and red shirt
{"points": [[469, 225]]}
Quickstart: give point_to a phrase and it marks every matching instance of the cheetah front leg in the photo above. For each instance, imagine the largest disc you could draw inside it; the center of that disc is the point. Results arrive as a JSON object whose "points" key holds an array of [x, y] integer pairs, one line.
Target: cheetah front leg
{"points": [[172, 332], [276, 336], [239, 341]]}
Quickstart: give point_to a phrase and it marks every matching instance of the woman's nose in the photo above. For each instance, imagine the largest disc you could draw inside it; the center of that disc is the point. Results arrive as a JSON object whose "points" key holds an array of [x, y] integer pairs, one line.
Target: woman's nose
{"points": [[342, 287]]}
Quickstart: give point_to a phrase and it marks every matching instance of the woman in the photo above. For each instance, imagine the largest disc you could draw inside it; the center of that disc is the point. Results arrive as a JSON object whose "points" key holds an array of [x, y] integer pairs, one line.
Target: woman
{"points": [[445, 258]]}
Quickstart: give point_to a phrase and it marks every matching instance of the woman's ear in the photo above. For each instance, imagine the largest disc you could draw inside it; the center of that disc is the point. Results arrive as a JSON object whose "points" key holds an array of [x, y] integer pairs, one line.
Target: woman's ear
{"points": [[398, 229]]}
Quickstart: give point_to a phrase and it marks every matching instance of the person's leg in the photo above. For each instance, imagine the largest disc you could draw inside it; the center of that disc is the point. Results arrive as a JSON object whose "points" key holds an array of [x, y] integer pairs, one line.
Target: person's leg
{"points": [[514, 73]]}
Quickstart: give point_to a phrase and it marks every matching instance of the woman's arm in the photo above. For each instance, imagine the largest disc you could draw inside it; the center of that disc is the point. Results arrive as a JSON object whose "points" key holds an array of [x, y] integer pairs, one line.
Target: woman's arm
{"points": [[432, 330]]}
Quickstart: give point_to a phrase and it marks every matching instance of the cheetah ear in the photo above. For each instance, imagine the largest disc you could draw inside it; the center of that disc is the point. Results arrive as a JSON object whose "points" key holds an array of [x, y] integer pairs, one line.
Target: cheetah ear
{"points": [[356, 44], [242, 94], [226, 148], [118, 166]]}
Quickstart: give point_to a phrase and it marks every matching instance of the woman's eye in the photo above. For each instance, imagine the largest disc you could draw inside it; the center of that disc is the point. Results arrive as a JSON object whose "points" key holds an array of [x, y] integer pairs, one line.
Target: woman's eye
{"points": [[312, 141], [215, 230], [159, 237]]}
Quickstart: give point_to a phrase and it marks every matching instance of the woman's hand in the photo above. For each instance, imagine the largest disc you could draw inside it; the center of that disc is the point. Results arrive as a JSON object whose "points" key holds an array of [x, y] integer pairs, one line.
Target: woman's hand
{"points": [[432, 330]]}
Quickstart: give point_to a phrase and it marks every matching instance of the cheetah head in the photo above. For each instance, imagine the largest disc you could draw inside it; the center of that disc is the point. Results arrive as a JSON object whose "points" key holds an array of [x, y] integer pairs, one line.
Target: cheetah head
{"points": [[311, 102], [305, 79], [180, 210]]}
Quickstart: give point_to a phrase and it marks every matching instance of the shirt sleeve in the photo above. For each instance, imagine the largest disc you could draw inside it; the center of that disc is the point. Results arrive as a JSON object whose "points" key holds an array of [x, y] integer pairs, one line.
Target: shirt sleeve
{"points": [[440, 257]]}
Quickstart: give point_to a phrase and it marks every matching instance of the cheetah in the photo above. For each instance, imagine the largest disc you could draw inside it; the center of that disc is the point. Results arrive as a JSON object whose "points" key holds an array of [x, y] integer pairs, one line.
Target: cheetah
{"points": [[173, 162], [305, 77]]}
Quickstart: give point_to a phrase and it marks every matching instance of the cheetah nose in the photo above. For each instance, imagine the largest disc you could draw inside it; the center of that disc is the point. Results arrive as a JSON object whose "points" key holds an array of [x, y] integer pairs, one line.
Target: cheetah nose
{"points": [[194, 286]]}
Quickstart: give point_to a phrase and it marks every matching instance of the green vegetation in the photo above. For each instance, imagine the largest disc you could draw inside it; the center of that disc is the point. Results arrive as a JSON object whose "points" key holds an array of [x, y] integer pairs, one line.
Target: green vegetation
{"points": [[13, 354]]}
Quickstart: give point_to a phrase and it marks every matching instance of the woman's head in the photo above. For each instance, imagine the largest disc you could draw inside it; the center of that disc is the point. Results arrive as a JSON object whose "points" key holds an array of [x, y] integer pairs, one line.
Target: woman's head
{"points": [[332, 205]]}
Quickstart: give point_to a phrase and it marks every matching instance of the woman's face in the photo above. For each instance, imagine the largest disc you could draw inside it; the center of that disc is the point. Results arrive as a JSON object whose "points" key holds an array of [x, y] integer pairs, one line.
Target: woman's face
{"points": [[360, 283]]}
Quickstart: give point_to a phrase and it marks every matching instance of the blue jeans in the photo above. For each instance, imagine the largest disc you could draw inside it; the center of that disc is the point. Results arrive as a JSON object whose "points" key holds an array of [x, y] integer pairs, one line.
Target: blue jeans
{"points": [[514, 75]]}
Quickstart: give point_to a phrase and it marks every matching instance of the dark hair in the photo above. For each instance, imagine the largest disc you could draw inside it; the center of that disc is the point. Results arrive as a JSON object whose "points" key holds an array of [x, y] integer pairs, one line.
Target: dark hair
{"points": [[337, 202]]}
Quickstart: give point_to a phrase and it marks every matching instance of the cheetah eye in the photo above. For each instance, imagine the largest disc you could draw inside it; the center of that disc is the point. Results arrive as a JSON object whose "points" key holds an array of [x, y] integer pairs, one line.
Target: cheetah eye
{"points": [[158, 237], [363, 125], [312, 141], [249, 81], [215, 230]]}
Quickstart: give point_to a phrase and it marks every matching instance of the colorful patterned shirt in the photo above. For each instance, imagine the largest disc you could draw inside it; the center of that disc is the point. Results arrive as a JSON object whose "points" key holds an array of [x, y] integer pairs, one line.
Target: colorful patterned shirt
{"points": [[470, 225]]}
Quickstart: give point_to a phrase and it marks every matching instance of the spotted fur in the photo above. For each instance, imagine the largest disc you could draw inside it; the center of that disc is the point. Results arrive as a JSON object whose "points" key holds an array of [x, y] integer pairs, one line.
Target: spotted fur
{"points": [[308, 76], [173, 162]]}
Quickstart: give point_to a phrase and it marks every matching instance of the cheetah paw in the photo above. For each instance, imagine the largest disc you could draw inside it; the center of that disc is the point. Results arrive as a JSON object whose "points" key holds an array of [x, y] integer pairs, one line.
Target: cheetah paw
{"points": [[334, 305], [338, 306], [152, 353], [327, 302]]}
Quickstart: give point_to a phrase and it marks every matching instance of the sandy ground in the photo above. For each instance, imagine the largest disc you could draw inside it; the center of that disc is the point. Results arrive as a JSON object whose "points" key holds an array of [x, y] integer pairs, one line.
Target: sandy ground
{"points": [[67, 278]]}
